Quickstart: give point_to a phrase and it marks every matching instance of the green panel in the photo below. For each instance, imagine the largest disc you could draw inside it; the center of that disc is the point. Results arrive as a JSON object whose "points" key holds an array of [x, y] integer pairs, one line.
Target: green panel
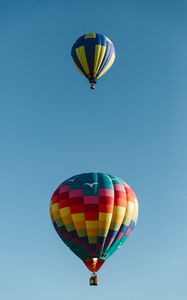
{"points": [[102, 232], [59, 223], [81, 232], [105, 181], [92, 239], [70, 227], [115, 246], [115, 180]]}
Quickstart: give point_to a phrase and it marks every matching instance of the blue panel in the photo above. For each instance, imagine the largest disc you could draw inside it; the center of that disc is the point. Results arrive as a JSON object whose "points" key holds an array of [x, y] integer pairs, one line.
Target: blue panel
{"points": [[90, 53], [132, 225], [123, 228], [76, 60], [101, 40], [112, 233]]}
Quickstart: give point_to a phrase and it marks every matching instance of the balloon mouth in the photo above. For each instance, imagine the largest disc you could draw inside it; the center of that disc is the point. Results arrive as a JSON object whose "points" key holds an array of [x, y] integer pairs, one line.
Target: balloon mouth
{"points": [[92, 82], [93, 264]]}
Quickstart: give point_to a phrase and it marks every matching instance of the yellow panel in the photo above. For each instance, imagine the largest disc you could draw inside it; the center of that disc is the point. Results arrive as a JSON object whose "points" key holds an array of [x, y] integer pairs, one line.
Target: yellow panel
{"points": [[99, 55], [107, 66], [92, 231], [108, 40], [92, 240], [115, 226], [78, 217], [105, 216], [81, 54], [56, 215], [52, 218], [65, 211], [135, 217], [91, 224], [117, 218], [103, 224], [90, 36], [79, 225], [50, 210], [129, 213], [67, 219], [55, 207], [119, 210]]}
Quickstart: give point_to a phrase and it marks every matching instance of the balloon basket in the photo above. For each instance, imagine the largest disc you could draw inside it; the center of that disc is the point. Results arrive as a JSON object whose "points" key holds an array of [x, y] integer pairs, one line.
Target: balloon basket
{"points": [[93, 279], [92, 83], [92, 86]]}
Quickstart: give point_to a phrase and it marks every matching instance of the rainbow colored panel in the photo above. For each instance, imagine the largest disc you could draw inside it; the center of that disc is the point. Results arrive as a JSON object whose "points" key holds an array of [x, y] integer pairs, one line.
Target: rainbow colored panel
{"points": [[94, 213]]}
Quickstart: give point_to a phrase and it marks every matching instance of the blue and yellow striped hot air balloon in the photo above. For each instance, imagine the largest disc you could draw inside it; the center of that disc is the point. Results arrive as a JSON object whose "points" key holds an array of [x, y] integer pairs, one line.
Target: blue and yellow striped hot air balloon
{"points": [[93, 54]]}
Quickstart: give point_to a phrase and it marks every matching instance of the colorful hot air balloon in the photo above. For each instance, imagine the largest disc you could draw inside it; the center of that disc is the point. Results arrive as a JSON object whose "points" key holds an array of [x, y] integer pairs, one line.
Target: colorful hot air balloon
{"points": [[93, 54], [94, 213]]}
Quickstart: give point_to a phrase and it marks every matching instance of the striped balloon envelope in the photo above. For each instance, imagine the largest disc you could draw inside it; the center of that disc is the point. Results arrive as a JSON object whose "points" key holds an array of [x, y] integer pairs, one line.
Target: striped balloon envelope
{"points": [[93, 54], [94, 213]]}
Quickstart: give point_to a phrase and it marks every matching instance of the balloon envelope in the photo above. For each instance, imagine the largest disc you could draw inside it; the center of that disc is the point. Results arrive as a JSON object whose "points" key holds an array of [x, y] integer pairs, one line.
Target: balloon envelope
{"points": [[94, 213], [93, 54]]}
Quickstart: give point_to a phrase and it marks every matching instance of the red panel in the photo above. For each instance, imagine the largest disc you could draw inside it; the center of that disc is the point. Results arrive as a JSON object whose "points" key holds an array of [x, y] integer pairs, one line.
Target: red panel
{"points": [[92, 266], [64, 195], [77, 241], [130, 196], [54, 199], [120, 235], [106, 208], [76, 201], [55, 196], [130, 193], [67, 235], [106, 200], [109, 241], [76, 209], [91, 207], [120, 194], [76, 193], [91, 200], [63, 203], [91, 216], [128, 232], [120, 202]]}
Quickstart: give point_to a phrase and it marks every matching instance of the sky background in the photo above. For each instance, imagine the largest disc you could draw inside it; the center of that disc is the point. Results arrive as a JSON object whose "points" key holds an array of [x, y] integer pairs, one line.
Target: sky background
{"points": [[52, 126]]}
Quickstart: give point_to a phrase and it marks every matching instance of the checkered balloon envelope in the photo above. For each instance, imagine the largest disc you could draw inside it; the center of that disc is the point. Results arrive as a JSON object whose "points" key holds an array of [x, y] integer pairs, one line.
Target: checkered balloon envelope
{"points": [[94, 213]]}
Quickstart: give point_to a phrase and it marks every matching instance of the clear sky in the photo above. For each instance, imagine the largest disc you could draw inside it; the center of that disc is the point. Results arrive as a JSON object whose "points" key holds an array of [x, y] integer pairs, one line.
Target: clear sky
{"points": [[134, 126]]}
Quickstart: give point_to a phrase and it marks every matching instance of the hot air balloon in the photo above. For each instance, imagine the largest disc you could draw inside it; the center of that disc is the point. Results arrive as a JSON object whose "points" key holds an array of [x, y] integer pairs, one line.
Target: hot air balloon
{"points": [[94, 213], [93, 54]]}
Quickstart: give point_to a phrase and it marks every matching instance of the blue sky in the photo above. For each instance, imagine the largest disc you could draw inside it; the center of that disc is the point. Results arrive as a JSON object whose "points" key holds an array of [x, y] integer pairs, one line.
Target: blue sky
{"points": [[133, 126]]}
